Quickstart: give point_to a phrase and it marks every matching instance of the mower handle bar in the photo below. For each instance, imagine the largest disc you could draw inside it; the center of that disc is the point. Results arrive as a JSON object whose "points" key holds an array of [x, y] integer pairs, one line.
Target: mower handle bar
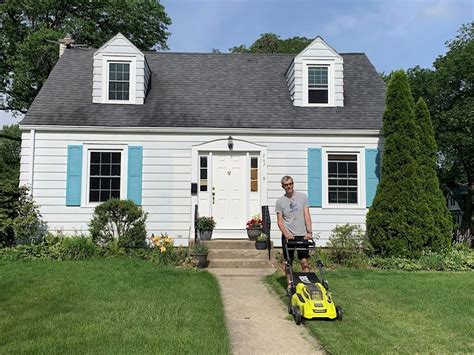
{"points": [[299, 243]]}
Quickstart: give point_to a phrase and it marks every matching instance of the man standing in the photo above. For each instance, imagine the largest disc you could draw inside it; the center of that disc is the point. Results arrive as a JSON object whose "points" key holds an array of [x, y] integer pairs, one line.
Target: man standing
{"points": [[294, 220]]}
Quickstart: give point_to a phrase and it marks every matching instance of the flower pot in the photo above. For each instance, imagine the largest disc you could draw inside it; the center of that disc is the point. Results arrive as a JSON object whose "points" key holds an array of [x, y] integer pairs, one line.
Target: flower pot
{"points": [[261, 244], [205, 235], [254, 232], [201, 260]]}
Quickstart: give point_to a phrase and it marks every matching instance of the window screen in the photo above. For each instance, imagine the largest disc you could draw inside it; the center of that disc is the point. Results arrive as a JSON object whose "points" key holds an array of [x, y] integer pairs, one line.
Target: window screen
{"points": [[104, 176], [119, 81], [342, 178]]}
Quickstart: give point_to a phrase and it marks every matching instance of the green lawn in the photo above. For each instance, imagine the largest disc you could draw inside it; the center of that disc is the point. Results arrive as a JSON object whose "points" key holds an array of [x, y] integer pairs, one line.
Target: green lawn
{"points": [[109, 306], [397, 312]]}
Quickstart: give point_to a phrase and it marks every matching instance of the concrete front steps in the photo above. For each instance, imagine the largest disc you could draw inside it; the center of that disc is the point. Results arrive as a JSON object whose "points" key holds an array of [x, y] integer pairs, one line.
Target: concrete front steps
{"points": [[239, 254]]}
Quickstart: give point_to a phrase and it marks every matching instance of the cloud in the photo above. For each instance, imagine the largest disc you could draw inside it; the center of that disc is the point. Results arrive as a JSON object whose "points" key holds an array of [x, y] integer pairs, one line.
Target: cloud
{"points": [[440, 9]]}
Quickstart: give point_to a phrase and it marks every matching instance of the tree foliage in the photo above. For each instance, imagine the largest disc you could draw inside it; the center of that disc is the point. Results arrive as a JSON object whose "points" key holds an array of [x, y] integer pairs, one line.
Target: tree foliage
{"points": [[438, 225], [30, 28], [10, 146], [271, 43], [448, 90], [396, 220]]}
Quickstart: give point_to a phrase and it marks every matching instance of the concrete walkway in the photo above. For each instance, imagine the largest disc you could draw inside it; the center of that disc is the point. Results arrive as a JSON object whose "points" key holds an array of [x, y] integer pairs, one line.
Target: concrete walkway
{"points": [[258, 322]]}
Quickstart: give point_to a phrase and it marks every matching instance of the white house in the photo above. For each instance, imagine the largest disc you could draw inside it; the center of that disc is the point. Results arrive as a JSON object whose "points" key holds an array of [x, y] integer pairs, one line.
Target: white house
{"points": [[175, 130]]}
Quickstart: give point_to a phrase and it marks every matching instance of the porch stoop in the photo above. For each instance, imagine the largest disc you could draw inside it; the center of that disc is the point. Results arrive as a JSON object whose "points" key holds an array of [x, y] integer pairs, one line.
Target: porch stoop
{"points": [[238, 254]]}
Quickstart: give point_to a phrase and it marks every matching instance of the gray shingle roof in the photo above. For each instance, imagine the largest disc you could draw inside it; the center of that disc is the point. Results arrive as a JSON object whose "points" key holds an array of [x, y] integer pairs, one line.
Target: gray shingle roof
{"points": [[208, 90]]}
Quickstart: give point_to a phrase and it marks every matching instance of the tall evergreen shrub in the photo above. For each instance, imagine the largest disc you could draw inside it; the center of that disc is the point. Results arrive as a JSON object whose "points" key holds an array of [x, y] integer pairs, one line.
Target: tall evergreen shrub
{"points": [[439, 227], [395, 220]]}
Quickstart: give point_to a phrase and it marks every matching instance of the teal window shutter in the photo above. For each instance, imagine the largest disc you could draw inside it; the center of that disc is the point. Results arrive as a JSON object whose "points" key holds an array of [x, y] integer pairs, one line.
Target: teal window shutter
{"points": [[74, 175], [135, 162], [372, 174], [315, 182]]}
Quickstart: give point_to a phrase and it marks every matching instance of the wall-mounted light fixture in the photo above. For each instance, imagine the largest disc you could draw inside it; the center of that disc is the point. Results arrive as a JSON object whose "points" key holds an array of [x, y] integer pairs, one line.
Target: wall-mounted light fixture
{"points": [[230, 143]]}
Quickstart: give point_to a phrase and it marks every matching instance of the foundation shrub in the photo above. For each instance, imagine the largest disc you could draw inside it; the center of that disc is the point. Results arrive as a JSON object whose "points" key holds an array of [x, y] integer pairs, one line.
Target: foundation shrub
{"points": [[347, 244], [20, 220], [120, 220], [77, 248]]}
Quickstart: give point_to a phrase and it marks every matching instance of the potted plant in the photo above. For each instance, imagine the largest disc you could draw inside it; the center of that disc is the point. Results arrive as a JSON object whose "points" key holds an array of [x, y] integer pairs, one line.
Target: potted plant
{"points": [[205, 226], [261, 242], [254, 227], [199, 251]]}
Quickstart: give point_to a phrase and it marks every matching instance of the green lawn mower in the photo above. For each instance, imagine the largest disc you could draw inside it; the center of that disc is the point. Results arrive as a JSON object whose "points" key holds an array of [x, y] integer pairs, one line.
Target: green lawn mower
{"points": [[309, 296]]}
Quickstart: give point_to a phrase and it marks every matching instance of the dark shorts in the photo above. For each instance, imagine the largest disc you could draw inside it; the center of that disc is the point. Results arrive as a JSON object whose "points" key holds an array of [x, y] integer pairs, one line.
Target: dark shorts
{"points": [[302, 254]]}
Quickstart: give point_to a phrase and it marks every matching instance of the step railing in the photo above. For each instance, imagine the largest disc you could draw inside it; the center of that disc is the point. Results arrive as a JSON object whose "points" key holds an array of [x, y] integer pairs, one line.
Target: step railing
{"points": [[266, 228]]}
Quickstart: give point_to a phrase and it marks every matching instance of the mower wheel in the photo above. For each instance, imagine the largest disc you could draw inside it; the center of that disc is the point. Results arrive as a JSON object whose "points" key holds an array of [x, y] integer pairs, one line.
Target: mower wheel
{"points": [[290, 310], [297, 315], [339, 313]]}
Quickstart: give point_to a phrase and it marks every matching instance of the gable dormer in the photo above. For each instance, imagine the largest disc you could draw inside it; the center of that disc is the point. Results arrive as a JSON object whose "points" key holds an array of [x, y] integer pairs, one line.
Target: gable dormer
{"points": [[315, 77], [121, 73]]}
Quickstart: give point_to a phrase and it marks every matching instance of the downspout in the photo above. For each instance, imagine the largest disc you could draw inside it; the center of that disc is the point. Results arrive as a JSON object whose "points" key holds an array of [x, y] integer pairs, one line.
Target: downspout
{"points": [[32, 160]]}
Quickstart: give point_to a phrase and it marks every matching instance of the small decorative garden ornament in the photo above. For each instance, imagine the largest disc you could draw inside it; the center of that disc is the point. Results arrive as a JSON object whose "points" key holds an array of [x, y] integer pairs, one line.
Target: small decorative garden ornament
{"points": [[254, 227]]}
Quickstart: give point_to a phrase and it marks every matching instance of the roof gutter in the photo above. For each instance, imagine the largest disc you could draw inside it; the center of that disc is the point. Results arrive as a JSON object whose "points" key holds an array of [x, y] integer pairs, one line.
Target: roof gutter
{"points": [[207, 130]]}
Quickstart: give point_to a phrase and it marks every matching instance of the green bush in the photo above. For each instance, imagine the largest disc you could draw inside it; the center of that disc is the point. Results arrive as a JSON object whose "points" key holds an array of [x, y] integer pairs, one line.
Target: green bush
{"points": [[77, 248], [205, 224], [20, 220], [455, 259], [346, 243], [120, 220]]}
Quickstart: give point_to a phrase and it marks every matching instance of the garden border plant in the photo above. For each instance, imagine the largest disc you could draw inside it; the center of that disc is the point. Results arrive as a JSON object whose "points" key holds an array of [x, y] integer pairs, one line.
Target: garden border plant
{"points": [[120, 220]]}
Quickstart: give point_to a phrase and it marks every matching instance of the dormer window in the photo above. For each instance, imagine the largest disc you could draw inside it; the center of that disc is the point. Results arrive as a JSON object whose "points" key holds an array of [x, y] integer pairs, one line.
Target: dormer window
{"points": [[121, 73], [318, 85], [119, 81]]}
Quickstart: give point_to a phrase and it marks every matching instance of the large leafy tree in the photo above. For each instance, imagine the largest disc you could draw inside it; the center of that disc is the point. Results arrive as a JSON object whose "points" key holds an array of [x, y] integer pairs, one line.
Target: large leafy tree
{"points": [[30, 30], [271, 43], [448, 89]]}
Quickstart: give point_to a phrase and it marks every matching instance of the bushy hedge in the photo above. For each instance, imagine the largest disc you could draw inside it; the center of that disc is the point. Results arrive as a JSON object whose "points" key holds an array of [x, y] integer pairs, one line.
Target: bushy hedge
{"points": [[120, 220], [79, 247], [20, 220]]}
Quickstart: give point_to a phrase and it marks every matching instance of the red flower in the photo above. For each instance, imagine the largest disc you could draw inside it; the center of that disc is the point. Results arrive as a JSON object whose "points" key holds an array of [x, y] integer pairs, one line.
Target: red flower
{"points": [[254, 223]]}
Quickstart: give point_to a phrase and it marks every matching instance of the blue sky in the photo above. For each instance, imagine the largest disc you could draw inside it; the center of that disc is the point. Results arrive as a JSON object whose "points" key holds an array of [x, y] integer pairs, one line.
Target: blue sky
{"points": [[395, 34]]}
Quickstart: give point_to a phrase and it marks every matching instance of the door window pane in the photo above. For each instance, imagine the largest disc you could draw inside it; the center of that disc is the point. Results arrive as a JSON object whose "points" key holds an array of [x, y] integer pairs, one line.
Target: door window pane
{"points": [[254, 174]]}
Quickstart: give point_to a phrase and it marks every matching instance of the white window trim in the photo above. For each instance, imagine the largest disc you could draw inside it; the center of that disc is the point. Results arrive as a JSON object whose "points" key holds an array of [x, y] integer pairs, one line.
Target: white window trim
{"points": [[361, 198], [132, 60], [88, 148], [330, 64]]}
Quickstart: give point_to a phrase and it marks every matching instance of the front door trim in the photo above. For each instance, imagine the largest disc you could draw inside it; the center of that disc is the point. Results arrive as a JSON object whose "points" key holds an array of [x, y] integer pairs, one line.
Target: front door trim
{"points": [[220, 145]]}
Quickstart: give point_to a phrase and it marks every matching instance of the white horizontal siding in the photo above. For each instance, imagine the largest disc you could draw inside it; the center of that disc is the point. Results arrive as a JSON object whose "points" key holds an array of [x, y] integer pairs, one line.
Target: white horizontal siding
{"points": [[167, 176]]}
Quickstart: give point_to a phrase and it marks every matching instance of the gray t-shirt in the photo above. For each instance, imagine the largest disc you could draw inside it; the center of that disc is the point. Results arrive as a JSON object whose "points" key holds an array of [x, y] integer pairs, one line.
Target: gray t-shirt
{"points": [[292, 211]]}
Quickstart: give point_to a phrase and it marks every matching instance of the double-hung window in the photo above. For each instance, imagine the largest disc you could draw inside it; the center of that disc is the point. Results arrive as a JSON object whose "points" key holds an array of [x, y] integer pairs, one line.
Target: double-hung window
{"points": [[119, 81], [318, 87], [104, 175], [342, 178]]}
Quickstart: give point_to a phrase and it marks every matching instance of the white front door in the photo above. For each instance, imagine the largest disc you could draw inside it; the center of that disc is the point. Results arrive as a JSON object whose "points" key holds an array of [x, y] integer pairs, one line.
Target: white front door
{"points": [[229, 197]]}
